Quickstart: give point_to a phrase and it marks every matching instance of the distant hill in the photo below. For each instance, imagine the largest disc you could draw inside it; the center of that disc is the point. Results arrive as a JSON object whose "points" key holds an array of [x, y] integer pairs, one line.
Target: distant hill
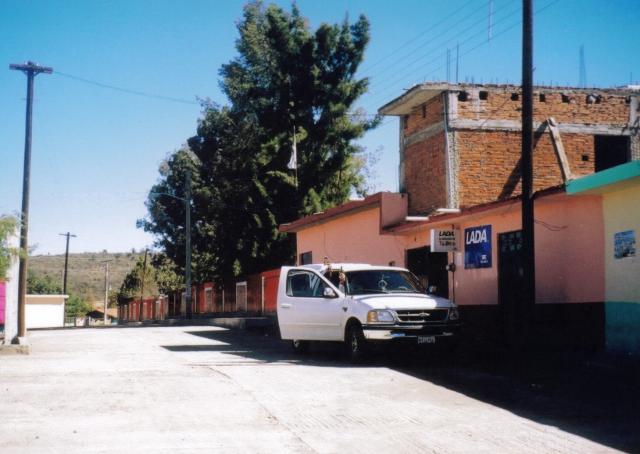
{"points": [[86, 271]]}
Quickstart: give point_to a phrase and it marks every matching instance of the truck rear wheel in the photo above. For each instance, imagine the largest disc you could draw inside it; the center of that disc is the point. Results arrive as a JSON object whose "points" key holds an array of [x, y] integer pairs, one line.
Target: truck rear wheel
{"points": [[300, 346], [355, 343]]}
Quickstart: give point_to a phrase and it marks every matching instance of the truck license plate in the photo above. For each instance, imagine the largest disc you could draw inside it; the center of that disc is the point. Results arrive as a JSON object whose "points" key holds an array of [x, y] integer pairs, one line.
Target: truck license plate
{"points": [[426, 339]]}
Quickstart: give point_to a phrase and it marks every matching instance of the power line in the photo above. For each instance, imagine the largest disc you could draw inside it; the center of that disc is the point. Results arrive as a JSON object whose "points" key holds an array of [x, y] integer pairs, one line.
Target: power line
{"points": [[413, 40], [512, 26], [394, 79], [127, 90], [476, 46], [442, 42]]}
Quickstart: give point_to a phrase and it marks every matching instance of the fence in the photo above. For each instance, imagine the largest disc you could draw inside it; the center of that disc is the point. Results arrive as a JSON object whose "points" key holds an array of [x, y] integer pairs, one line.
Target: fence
{"points": [[250, 295]]}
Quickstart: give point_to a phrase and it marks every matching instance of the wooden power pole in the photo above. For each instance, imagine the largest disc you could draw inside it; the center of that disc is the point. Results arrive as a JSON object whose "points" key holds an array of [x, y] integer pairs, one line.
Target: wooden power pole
{"points": [[106, 289], [525, 309], [31, 70], [66, 261]]}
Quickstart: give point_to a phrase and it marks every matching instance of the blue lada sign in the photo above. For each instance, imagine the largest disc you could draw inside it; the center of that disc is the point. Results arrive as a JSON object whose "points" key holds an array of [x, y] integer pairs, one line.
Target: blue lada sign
{"points": [[477, 247]]}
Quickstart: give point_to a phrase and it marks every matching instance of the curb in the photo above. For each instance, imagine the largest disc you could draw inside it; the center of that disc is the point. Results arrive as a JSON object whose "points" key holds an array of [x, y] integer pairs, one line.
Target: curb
{"points": [[21, 348]]}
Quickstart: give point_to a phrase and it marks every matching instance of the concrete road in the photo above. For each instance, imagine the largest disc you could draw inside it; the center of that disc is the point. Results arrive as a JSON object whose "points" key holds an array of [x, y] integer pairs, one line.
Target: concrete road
{"points": [[205, 389]]}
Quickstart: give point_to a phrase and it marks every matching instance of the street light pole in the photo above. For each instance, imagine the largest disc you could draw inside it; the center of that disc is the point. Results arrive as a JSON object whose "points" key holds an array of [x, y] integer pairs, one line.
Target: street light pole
{"points": [[187, 243], [31, 70]]}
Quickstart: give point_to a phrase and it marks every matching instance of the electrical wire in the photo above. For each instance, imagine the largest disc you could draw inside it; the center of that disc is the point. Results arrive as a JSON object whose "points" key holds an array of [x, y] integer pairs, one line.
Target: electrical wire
{"points": [[420, 35], [379, 93], [410, 68], [452, 37], [127, 90], [511, 27]]}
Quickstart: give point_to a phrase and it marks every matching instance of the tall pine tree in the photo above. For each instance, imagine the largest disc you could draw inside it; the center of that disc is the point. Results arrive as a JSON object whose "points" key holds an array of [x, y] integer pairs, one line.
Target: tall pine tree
{"points": [[285, 80]]}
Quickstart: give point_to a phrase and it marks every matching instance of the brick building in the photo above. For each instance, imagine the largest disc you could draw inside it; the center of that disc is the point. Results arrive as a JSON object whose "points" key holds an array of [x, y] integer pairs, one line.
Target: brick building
{"points": [[460, 148], [460, 144]]}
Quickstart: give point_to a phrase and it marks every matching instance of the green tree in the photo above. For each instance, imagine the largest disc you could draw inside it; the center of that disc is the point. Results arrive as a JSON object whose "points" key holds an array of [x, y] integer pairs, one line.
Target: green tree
{"points": [[285, 80], [42, 284], [77, 307], [8, 227], [165, 272], [132, 284]]}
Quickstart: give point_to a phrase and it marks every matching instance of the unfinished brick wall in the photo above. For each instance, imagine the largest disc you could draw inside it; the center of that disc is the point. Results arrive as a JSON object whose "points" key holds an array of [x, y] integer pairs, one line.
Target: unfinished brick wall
{"points": [[433, 113], [499, 105], [425, 175], [489, 170], [485, 153]]}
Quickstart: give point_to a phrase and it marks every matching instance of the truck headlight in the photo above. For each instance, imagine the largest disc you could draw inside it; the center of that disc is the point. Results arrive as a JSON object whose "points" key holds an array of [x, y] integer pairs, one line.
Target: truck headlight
{"points": [[378, 316], [454, 314]]}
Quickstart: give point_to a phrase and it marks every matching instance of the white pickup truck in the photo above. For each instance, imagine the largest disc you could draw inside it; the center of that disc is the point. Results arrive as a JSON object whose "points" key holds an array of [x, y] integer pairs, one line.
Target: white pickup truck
{"points": [[359, 304]]}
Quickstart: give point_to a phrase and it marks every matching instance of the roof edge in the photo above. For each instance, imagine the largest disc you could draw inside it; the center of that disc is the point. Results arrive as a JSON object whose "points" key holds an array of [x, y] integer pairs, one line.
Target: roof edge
{"points": [[331, 213], [605, 178]]}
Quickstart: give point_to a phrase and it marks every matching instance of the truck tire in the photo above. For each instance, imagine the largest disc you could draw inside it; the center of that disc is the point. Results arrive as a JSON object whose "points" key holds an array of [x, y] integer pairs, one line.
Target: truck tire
{"points": [[355, 343], [300, 346]]}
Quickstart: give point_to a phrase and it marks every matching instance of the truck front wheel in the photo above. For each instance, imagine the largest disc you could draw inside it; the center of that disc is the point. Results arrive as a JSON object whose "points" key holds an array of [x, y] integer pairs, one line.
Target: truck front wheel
{"points": [[356, 343]]}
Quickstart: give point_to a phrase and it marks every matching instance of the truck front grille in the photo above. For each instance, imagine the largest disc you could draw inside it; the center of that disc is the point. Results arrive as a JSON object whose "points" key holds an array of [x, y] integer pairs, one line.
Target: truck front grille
{"points": [[422, 316]]}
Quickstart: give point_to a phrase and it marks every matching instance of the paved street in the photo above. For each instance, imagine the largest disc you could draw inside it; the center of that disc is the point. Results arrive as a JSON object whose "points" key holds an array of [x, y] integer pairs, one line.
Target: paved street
{"points": [[206, 389]]}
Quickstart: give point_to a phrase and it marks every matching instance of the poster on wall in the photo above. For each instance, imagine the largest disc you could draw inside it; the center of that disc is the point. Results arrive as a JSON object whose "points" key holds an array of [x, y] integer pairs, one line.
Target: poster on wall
{"points": [[477, 247], [624, 244]]}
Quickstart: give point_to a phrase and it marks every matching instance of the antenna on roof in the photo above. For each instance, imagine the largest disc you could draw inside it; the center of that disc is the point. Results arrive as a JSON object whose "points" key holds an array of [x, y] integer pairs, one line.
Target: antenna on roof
{"points": [[583, 69], [457, 60]]}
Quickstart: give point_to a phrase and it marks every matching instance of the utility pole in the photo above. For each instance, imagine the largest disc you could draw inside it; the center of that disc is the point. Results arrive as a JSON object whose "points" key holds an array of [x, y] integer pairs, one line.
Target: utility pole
{"points": [[31, 70], [66, 261], [106, 289], [526, 162], [144, 272], [187, 243]]}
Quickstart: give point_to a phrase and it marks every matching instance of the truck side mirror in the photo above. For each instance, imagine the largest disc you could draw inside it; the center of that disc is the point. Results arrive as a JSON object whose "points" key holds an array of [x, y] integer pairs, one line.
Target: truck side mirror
{"points": [[329, 293]]}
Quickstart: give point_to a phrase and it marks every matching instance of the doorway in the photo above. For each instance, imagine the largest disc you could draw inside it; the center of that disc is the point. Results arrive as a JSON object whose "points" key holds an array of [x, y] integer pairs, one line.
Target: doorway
{"points": [[241, 296], [611, 151], [430, 268], [510, 280]]}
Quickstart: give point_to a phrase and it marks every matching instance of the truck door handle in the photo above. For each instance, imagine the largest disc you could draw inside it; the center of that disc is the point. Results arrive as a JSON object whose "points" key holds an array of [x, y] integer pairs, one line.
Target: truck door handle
{"points": [[285, 305], [344, 308]]}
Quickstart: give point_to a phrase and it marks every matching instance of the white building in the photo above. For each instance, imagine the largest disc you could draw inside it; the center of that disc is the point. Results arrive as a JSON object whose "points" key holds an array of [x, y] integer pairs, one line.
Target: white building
{"points": [[45, 311]]}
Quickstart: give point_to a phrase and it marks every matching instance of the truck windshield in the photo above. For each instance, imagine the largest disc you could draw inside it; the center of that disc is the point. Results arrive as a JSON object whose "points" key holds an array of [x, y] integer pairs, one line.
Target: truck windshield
{"points": [[381, 281]]}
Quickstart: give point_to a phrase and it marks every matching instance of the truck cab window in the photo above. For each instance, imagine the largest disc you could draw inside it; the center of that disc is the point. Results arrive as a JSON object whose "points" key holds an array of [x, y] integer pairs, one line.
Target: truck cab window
{"points": [[305, 284]]}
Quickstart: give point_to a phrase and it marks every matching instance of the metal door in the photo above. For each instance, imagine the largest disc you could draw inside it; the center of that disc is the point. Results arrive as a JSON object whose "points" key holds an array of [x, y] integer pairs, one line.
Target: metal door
{"points": [[510, 281]]}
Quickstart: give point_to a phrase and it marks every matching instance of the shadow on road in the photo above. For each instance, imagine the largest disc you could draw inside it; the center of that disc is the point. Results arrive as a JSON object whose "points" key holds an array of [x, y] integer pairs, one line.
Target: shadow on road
{"points": [[264, 347], [582, 394]]}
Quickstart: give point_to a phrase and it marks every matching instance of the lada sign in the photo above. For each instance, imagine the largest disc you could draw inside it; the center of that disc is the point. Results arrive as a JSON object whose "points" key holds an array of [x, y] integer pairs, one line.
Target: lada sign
{"points": [[477, 247], [445, 240]]}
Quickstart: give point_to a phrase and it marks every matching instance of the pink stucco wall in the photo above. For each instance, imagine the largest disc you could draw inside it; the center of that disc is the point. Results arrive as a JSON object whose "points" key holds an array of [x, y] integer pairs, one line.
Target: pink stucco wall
{"points": [[568, 235], [352, 238]]}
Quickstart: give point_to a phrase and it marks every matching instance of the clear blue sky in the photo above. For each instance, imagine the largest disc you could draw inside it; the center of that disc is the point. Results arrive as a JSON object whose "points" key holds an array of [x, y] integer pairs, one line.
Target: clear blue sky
{"points": [[96, 151]]}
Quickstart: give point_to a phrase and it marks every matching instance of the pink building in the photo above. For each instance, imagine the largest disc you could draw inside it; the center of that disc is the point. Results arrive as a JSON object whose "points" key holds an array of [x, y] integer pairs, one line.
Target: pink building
{"points": [[569, 270]]}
